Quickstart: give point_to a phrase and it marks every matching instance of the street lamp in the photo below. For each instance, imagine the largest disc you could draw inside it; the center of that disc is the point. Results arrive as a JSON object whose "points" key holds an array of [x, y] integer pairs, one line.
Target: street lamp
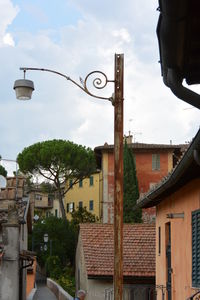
{"points": [[24, 89]]}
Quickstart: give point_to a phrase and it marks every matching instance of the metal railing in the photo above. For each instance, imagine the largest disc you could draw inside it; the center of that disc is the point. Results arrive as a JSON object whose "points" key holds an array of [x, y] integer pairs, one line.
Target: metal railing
{"points": [[134, 292], [195, 296]]}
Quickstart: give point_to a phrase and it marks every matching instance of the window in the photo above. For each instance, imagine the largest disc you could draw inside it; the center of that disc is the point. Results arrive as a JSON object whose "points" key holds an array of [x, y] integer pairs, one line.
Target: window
{"points": [[80, 205], [91, 205], [67, 207], [38, 197], [196, 248], [155, 162], [56, 213], [81, 183], [71, 207], [91, 180], [70, 183], [159, 240]]}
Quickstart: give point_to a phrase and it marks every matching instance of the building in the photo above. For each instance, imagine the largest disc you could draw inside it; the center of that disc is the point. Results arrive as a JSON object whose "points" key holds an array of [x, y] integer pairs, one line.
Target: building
{"points": [[86, 193], [15, 224], [95, 261], [44, 203], [153, 162], [177, 201]]}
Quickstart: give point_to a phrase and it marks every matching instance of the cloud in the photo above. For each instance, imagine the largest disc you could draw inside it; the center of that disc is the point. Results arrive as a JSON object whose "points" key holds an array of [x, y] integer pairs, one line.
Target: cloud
{"points": [[61, 110], [7, 14], [8, 40]]}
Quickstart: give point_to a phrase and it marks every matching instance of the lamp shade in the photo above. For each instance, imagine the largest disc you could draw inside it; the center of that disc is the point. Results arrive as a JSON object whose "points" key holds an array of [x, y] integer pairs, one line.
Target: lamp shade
{"points": [[46, 237], [23, 89]]}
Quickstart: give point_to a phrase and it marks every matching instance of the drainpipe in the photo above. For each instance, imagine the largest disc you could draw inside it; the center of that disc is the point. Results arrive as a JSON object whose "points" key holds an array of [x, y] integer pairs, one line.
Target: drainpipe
{"points": [[174, 82], [10, 263], [197, 156]]}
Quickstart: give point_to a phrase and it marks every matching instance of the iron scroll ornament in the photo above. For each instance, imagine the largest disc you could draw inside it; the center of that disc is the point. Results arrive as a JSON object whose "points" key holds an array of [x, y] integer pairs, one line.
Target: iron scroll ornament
{"points": [[98, 82]]}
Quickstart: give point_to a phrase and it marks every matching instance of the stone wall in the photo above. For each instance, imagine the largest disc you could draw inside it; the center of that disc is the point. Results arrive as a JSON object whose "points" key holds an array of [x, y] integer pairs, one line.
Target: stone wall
{"points": [[58, 290]]}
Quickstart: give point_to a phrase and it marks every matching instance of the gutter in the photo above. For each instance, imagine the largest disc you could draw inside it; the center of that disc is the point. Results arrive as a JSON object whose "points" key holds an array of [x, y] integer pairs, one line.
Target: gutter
{"points": [[26, 209], [192, 153], [174, 82]]}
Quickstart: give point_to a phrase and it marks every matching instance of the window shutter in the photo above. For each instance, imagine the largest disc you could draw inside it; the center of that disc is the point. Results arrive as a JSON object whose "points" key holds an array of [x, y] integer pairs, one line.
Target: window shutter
{"points": [[196, 248], [91, 180], [155, 161]]}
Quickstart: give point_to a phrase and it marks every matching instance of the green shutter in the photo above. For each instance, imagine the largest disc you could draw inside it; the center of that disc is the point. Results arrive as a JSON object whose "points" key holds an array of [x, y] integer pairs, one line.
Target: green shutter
{"points": [[196, 248], [91, 180]]}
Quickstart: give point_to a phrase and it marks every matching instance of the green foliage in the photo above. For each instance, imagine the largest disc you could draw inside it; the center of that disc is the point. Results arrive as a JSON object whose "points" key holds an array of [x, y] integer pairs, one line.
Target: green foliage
{"points": [[81, 215], [67, 282], [63, 236], [62, 158], [47, 187], [3, 171], [53, 267], [57, 161], [131, 192]]}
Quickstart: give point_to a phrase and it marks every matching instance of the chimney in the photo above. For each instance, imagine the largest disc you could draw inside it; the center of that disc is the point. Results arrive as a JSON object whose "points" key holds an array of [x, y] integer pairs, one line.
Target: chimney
{"points": [[128, 139]]}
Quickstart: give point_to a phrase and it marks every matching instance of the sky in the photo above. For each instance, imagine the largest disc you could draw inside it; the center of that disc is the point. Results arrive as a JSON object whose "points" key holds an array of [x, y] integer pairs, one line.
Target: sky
{"points": [[76, 37]]}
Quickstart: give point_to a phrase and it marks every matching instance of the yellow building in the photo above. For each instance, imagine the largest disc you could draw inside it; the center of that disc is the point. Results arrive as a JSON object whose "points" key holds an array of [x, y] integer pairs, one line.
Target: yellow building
{"points": [[86, 193]]}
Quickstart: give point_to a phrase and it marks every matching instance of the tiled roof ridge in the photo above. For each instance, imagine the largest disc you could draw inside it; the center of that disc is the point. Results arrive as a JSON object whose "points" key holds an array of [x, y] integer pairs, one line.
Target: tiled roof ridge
{"points": [[146, 145]]}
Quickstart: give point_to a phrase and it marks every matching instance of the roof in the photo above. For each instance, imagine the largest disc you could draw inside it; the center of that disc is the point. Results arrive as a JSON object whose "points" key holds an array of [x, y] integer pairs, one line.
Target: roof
{"points": [[143, 146], [187, 169], [178, 33], [8, 196], [139, 249]]}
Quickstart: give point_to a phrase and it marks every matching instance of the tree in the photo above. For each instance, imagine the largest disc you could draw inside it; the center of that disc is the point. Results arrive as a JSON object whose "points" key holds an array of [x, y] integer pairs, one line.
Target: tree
{"points": [[3, 171], [81, 215], [58, 161], [131, 192], [63, 237]]}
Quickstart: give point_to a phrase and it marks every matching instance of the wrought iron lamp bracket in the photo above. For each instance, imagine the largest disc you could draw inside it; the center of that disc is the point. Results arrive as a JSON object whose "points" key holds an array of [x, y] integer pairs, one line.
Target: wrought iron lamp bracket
{"points": [[99, 82]]}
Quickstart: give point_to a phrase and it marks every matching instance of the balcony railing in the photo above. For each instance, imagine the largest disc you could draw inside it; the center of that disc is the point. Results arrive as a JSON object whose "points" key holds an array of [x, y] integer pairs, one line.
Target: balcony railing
{"points": [[195, 296], [134, 292]]}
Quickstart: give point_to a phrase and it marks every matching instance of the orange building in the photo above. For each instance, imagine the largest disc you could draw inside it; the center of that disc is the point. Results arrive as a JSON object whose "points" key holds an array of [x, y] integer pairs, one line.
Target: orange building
{"points": [[177, 200], [153, 162]]}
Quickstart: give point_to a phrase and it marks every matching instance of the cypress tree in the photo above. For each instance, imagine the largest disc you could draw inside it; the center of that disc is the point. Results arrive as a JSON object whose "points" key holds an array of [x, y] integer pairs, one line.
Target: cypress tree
{"points": [[131, 192]]}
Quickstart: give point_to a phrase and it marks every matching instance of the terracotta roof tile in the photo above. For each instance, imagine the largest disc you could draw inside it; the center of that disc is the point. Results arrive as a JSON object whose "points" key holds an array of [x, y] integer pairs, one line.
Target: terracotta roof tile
{"points": [[146, 146], [139, 249]]}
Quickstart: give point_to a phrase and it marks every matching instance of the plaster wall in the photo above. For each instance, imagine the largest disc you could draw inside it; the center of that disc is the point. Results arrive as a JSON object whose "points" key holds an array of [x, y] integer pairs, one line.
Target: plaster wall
{"points": [[81, 274], [145, 175], [185, 200], [86, 193], [9, 287], [96, 289]]}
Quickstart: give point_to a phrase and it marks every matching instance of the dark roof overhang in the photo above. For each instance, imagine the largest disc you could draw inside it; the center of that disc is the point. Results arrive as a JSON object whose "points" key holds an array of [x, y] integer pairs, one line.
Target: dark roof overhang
{"points": [[178, 33]]}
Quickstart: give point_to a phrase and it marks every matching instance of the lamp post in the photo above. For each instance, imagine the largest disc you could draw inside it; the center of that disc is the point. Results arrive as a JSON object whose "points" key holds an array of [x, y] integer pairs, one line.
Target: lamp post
{"points": [[24, 89]]}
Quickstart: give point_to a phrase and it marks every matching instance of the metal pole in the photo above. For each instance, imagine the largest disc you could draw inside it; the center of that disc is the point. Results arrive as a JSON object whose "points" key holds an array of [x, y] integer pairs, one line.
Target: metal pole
{"points": [[118, 177], [50, 247]]}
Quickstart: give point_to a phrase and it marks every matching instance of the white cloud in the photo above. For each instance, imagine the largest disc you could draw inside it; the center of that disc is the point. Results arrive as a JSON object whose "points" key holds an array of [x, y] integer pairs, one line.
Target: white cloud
{"points": [[59, 109], [7, 14], [123, 34], [8, 40]]}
